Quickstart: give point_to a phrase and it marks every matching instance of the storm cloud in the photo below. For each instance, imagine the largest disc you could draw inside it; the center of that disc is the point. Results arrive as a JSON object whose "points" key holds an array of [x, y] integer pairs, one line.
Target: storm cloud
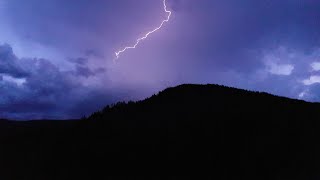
{"points": [[42, 90], [58, 60]]}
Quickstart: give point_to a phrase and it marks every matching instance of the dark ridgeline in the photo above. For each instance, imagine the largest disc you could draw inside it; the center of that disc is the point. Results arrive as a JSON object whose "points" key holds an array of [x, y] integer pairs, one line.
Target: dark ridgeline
{"points": [[196, 131]]}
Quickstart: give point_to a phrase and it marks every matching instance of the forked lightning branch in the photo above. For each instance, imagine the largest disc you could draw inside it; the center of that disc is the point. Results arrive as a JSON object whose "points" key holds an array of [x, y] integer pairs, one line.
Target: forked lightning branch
{"points": [[118, 53]]}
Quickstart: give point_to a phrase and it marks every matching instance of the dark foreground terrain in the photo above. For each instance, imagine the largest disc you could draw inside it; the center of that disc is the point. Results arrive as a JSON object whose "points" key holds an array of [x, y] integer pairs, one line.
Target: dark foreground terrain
{"points": [[191, 131]]}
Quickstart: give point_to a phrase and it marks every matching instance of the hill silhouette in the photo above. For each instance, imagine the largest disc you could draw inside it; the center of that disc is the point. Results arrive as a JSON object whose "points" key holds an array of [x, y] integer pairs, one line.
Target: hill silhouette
{"points": [[190, 131]]}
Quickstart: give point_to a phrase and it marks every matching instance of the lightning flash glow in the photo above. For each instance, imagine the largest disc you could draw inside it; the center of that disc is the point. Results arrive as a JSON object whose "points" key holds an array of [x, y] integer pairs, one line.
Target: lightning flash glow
{"points": [[147, 34]]}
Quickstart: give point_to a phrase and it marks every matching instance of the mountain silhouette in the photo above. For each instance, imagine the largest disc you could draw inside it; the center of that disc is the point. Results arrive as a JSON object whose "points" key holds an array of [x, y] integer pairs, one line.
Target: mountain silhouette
{"points": [[185, 132]]}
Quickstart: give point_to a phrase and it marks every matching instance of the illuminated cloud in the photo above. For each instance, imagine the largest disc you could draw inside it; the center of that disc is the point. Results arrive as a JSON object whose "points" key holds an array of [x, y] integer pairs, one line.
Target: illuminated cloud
{"points": [[64, 50], [10, 79], [280, 69], [315, 66], [314, 79], [277, 61], [302, 94]]}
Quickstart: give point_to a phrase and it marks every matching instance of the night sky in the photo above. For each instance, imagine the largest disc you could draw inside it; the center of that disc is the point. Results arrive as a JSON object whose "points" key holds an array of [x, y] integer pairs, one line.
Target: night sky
{"points": [[57, 56]]}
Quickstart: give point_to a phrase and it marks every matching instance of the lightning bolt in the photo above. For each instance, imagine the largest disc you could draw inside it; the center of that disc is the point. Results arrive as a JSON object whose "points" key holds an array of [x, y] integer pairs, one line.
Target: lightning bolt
{"points": [[118, 53]]}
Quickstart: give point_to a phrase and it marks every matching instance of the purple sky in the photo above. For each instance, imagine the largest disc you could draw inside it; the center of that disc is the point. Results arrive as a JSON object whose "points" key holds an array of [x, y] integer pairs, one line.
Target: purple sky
{"points": [[56, 56]]}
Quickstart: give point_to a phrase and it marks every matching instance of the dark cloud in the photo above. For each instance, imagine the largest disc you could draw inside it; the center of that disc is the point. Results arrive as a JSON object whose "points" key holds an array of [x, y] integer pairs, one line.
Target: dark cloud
{"points": [[84, 71], [48, 92], [265, 45], [9, 64], [80, 61], [87, 72]]}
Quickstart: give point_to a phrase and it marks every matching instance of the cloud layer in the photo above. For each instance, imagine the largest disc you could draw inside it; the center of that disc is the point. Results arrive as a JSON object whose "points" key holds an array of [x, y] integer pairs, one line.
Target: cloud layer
{"points": [[58, 60], [36, 88]]}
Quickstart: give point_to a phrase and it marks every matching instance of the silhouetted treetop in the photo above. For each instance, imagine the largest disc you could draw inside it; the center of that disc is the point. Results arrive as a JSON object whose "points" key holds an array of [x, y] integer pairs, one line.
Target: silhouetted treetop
{"points": [[216, 131]]}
